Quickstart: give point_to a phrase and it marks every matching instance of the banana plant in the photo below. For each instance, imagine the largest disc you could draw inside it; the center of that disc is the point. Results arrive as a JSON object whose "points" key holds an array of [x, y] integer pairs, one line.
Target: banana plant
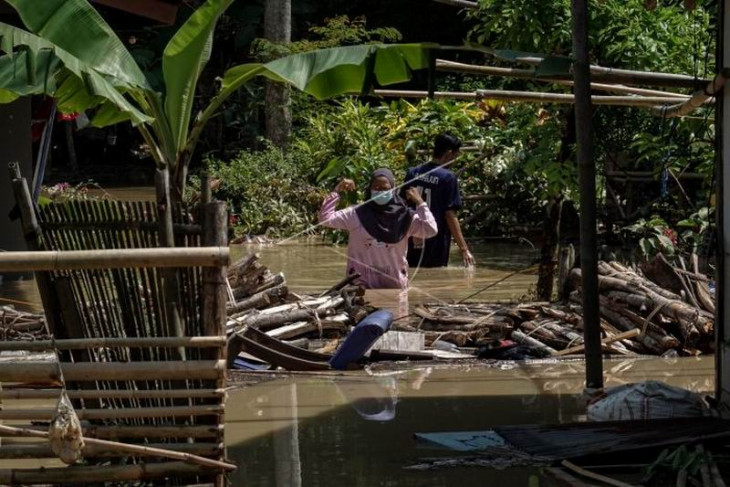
{"points": [[86, 67]]}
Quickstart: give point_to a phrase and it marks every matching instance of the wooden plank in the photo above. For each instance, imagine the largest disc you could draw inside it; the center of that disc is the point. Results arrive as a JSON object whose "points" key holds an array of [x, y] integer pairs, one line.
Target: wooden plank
{"points": [[158, 10], [111, 259], [402, 341]]}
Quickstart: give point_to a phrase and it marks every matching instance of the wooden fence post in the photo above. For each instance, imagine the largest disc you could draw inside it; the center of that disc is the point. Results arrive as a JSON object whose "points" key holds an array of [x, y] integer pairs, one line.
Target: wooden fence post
{"points": [[32, 234]]}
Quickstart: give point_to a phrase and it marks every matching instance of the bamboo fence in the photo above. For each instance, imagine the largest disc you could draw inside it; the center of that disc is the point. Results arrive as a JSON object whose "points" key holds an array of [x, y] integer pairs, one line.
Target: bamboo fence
{"points": [[139, 330]]}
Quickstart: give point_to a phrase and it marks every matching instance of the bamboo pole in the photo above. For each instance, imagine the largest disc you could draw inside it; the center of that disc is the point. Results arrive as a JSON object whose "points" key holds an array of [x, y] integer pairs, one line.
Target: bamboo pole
{"points": [[112, 393], [460, 3], [165, 370], [47, 414], [43, 450], [451, 66], [32, 233], [132, 342], [215, 225], [96, 474], [134, 449], [698, 98], [532, 97], [631, 77], [145, 431], [113, 259]]}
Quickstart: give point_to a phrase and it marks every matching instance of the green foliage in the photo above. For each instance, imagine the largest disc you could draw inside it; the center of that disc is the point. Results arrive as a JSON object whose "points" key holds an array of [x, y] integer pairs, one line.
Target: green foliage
{"points": [[654, 236], [89, 66], [622, 33], [696, 227], [354, 139], [334, 32], [268, 192], [680, 458]]}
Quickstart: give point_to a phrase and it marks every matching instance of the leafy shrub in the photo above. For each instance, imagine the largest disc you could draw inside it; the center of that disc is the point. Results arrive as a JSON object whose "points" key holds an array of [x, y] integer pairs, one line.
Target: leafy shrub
{"points": [[268, 192]]}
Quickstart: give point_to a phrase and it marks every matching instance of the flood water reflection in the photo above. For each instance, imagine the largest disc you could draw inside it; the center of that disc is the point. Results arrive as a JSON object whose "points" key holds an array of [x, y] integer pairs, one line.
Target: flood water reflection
{"points": [[311, 267], [357, 429]]}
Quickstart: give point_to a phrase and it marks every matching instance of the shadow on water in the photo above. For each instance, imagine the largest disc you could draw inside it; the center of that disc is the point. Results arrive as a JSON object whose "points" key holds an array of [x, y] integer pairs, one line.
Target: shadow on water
{"points": [[357, 429]]}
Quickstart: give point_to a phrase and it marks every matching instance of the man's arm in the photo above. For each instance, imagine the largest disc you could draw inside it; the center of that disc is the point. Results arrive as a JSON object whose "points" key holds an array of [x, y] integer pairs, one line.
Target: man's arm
{"points": [[455, 228]]}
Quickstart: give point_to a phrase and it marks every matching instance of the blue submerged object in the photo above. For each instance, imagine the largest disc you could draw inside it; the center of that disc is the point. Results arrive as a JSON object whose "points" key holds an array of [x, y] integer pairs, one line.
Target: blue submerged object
{"points": [[363, 336]]}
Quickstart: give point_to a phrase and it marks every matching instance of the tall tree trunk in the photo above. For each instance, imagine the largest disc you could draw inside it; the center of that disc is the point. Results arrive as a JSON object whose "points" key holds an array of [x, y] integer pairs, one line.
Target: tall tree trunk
{"points": [[277, 29], [549, 251]]}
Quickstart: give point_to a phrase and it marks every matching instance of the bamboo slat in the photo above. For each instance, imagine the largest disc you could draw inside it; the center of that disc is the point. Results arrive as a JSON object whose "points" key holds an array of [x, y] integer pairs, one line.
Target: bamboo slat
{"points": [[80, 343], [106, 259], [95, 474], [90, 371], [46, 414], [147, 431], [113, 393], [43, 450]]}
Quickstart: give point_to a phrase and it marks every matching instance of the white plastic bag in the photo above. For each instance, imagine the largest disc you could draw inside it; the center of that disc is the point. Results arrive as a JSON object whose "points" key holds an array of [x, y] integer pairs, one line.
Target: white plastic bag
{"points": [[647, 400]]}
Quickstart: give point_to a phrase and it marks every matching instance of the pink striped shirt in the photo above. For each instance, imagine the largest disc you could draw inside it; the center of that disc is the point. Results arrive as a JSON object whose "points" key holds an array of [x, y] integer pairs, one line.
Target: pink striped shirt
{"points": [[380, 265]]}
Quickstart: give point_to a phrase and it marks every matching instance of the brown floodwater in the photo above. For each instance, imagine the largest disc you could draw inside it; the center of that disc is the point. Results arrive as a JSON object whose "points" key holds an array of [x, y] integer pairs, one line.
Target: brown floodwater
{"points": [[357, 429], [310, 266]]}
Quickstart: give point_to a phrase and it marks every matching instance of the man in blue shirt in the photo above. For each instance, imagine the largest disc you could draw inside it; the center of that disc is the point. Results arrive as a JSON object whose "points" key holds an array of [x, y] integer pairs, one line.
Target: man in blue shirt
{"points": [[439, 188]]}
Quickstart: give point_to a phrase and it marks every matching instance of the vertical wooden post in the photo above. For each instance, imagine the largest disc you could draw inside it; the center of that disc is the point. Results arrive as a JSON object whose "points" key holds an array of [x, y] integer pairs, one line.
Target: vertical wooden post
{"points": [[722, 215], [431, 82], [215, 225], [32, 234], [565, 264], [167, 239], [587, 175], [206, 193]]}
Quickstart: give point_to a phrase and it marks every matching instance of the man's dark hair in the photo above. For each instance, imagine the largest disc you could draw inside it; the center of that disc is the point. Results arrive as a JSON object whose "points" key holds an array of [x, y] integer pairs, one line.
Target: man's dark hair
{"points": [[444, 143]]}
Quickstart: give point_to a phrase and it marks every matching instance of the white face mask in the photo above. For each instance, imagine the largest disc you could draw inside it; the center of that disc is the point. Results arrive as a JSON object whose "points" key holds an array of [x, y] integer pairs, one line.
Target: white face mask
{"points": [[382, 197]]}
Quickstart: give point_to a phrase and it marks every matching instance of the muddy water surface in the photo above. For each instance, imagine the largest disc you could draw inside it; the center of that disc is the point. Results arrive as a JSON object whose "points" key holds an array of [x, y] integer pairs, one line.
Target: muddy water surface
{"points": [[357, 430]]}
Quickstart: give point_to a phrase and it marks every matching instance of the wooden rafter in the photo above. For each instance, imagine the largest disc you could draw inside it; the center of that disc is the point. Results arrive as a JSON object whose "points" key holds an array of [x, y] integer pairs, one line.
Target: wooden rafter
{"points": [[451, 66]]}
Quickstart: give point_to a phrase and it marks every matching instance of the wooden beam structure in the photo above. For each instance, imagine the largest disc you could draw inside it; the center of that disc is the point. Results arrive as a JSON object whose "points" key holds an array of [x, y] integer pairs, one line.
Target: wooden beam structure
{"points": [[532, 97], [455, 67], [699, 98]]}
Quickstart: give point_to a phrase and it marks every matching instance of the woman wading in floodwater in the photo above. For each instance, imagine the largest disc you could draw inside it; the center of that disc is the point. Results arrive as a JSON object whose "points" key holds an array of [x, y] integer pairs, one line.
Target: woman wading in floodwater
{"points": [[379, 229]]}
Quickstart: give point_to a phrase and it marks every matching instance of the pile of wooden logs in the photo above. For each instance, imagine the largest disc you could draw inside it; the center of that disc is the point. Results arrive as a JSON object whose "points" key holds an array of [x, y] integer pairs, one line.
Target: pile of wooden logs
{"points": [[672, 307], [658, 310], [260, 299], [21, 325]]}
